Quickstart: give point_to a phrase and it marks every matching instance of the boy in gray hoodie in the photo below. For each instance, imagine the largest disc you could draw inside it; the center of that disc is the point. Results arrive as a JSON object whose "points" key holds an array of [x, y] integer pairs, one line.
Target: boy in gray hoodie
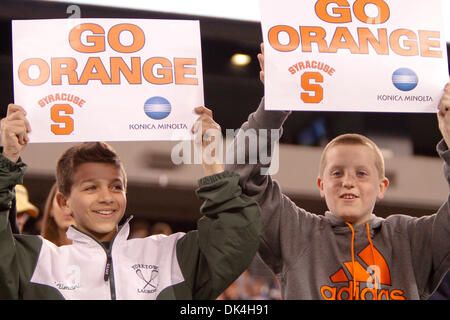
{"points": [[348, 253]]}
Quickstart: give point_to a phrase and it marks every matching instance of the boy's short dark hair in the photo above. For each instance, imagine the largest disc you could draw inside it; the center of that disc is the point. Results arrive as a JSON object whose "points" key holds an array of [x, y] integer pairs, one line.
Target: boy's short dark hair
{"points": [[79, 154]]}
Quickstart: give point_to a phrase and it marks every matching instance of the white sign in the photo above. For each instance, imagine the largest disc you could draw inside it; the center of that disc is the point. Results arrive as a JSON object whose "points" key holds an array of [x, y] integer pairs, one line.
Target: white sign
{"points": [[354, 55], [108, 79]]}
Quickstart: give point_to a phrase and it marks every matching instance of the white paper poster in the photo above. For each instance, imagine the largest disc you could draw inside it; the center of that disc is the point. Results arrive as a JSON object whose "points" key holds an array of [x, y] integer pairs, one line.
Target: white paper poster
{"points": [[108, 79], [354, 55]]}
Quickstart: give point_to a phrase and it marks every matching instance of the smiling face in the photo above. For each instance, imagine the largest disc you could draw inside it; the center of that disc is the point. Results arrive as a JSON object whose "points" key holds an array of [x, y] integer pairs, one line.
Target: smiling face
{"points": [[97, 199], [350, 182]]}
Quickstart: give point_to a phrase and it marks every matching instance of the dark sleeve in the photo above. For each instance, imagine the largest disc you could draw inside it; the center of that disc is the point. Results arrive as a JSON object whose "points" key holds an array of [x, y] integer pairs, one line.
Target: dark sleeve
{"points": [[430, 240], [283, 224], [443, 291], [226, 239], [10, 175]]}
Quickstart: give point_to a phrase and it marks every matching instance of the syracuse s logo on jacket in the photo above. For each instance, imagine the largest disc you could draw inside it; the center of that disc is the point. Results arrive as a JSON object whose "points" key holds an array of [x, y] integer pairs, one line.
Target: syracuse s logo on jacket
{"points": [[363, 283]]}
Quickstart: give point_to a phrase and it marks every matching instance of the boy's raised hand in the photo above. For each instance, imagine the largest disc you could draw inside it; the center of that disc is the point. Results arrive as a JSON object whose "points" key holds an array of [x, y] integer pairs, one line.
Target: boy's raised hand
{"points": [[206, 132], [444, 115], [14, 132]]}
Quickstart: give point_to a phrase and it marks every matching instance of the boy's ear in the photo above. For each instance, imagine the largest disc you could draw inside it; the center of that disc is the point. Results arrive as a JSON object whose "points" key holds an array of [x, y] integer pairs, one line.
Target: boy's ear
{"points": [[384, 184], [62, 201], [320, 185]]}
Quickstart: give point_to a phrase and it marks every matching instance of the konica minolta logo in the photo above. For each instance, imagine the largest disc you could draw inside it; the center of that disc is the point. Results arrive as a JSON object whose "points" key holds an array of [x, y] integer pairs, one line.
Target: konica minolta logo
{"points": [[404, 79], [157, 108]]}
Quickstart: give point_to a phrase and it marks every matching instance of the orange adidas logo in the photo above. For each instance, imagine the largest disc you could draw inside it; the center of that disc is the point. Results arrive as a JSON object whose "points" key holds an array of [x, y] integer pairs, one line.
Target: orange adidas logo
{"points": [[372, 277]]}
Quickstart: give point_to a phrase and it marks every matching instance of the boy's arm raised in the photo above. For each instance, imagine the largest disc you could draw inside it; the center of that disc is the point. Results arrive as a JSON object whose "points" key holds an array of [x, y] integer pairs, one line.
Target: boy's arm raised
{"points": [[278, 212], [430, 235], [14, 130], [227, 235], [442, 235]]}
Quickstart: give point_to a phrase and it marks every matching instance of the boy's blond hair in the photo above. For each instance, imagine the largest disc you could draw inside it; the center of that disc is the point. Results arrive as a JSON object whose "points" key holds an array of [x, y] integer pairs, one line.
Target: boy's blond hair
{"points": [[354, 139]]}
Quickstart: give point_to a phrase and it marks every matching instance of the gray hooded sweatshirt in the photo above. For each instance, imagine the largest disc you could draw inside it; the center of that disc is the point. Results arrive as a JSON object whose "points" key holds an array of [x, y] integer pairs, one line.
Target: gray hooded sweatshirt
{"points": [[323, 257]]}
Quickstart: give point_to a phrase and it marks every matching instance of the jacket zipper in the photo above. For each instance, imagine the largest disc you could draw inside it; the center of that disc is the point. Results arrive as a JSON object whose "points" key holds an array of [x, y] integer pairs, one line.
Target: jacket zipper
{"points": [[109, 273], [108, 266]]}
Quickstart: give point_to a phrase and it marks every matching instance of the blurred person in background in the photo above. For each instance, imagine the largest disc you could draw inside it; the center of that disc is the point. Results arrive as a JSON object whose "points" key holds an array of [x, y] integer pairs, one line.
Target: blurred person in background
{"points": [[161, 228], [139, 228], [55, 222], [252, 286], [25, 209]]}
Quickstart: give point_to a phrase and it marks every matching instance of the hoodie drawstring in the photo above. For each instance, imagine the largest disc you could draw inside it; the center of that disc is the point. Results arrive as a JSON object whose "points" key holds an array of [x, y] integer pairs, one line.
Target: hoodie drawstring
{"points": [[353, 260], [374, 261]]}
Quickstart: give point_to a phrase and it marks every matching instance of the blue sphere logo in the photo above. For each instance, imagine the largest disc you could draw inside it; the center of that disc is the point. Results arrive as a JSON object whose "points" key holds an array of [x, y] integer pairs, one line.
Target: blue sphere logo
{"points": [[157, 108], [404, 79]]}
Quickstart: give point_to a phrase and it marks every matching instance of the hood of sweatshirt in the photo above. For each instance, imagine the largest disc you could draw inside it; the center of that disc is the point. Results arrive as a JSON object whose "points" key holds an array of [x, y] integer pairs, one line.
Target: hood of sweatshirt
{"points": [[339, 225]]}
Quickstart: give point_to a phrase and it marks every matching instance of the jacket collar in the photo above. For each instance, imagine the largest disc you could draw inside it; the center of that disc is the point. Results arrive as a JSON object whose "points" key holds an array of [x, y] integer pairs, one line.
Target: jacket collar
{"points": [[78, 236]]}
